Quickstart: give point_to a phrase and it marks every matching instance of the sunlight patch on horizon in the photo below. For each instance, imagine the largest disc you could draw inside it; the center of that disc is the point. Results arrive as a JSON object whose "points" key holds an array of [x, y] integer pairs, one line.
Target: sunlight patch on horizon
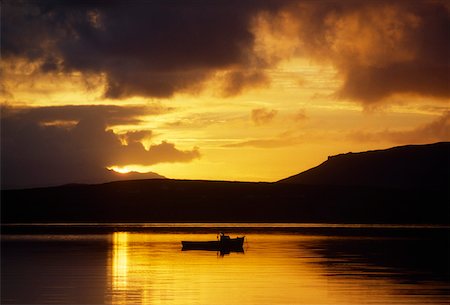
{"points": [[131, 168], [120, 170]]}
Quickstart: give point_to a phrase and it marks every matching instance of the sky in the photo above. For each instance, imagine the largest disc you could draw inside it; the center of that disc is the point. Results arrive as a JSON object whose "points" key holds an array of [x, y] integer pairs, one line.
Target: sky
{"points": [[248, 90]]}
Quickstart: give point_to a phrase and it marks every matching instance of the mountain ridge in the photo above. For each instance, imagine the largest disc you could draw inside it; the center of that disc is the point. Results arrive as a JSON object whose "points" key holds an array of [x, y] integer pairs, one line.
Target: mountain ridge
{"points": [[171, 200], [405, 166]]}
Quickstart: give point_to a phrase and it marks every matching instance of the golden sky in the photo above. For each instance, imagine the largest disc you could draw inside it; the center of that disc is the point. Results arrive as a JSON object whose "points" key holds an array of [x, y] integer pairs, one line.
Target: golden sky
{"points": [[235, 90]]}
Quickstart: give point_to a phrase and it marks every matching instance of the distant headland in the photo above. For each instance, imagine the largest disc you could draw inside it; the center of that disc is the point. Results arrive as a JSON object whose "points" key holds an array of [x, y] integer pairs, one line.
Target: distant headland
{"points": [[406, 184]]}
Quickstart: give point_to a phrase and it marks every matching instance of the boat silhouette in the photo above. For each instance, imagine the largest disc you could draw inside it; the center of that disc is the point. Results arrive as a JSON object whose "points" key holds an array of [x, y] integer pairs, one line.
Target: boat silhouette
{"points": [[223, 244]]}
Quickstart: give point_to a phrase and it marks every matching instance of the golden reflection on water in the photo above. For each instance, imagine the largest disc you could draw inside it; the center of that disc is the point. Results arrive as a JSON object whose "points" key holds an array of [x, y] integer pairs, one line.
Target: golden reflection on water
{"points": [[275, 269], [150, 268], [119, 267]]}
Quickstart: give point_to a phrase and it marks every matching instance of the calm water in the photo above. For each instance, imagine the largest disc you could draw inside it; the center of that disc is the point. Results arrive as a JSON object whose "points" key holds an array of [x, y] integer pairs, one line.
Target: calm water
{"points": [[281, 264]]}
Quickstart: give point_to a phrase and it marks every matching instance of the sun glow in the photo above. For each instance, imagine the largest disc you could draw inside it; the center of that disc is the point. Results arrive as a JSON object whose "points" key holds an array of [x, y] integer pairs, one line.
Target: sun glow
{"points": [[131, 168], [120, 170]]}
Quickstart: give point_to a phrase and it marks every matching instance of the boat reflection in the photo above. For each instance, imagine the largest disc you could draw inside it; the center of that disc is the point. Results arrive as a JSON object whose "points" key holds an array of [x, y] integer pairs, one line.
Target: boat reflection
{"points": [[224, 245], [221, 252]]}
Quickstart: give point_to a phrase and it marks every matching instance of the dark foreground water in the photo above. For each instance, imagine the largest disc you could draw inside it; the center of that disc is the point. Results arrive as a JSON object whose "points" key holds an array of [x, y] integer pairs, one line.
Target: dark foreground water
{"points": [[281, 264]]}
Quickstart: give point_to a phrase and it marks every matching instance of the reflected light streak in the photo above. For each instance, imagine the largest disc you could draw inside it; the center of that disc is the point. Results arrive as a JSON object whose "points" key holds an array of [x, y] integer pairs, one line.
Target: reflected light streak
{"points": [[120, 261]]}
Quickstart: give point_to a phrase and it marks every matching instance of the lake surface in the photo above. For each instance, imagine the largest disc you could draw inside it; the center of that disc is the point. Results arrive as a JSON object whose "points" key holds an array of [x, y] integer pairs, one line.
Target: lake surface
{"points": [[281, 264]]}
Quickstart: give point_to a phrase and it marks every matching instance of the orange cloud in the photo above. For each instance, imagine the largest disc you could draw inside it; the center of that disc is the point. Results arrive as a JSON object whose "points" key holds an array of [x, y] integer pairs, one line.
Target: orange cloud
{"points": [[261, 116], [235, 82], [264, 143], [300, 116], [380, 48], [135, 136], [435, 131], [147, 49]]}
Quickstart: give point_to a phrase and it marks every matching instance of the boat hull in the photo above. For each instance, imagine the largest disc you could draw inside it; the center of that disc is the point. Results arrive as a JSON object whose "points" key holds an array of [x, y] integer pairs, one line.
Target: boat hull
{"points": [[233, 244]]}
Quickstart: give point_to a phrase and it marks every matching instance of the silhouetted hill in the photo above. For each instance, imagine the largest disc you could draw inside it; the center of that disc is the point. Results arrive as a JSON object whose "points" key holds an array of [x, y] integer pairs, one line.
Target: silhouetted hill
{"points": [[400, 185], [412, 166], [214, 201], [114, 176], [8, 180]]}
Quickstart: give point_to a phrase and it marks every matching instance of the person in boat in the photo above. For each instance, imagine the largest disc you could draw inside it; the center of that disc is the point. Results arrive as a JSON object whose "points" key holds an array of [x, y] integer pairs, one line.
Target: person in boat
{"points": [[224, 237]]}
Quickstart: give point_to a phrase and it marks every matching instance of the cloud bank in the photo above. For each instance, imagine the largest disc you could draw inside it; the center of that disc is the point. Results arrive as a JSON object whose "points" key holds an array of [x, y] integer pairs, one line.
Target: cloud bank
{"points": [[34, 154], [437, 130], [146, 48], [159, 48]]}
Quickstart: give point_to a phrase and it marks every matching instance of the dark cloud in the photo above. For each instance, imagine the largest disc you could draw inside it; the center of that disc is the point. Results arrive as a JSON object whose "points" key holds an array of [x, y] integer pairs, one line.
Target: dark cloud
{"points": [[379, 47], [261, 116], [136, 136], [34, 154], [158, 48], [372, 84], [436, 131], [236, 81], [110, 114], [149, 48]]}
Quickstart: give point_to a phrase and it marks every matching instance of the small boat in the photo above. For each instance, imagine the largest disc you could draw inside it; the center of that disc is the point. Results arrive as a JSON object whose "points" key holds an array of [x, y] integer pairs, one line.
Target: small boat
{"points": [[225, 244]]}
